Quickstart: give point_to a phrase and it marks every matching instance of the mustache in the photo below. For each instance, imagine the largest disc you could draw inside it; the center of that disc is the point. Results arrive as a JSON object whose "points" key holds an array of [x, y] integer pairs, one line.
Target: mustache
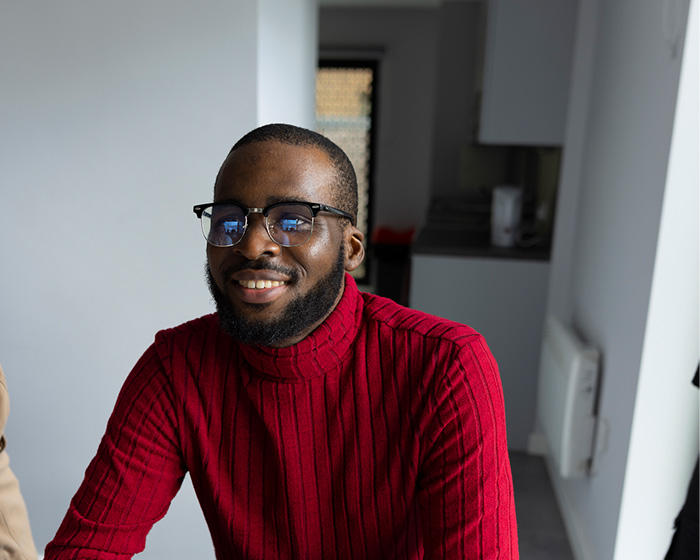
{"points": [[259, 265]]}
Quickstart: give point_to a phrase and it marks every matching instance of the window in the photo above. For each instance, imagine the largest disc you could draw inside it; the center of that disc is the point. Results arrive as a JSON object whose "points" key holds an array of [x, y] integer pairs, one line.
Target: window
{"points": [[345, 107]]}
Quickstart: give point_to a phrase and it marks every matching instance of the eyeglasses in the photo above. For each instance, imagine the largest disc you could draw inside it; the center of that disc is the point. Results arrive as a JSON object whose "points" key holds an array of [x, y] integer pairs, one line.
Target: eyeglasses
{"points": [[288, 224]]}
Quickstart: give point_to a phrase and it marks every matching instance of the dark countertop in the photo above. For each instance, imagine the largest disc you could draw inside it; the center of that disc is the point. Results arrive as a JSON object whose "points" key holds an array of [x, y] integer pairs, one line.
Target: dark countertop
{"points": [[431, 241], [460, 226]]}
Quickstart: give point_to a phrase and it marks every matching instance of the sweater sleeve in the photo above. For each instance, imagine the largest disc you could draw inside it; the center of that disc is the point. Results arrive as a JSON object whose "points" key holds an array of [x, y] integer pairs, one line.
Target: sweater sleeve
{"points": [[466, 490], [135, 474]]}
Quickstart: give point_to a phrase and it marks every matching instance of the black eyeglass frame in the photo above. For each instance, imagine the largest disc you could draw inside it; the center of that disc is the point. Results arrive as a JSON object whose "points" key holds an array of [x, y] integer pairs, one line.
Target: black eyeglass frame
{"points": [[314, 207]]}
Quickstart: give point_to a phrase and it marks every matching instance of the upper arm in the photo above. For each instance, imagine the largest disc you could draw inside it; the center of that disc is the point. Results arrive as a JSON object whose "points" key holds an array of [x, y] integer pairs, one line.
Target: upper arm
{"points": [[466, 491]]}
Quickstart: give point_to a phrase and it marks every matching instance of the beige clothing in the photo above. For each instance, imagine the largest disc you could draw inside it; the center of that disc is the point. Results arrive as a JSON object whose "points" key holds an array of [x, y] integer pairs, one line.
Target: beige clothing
{"points": [[16, 541]]}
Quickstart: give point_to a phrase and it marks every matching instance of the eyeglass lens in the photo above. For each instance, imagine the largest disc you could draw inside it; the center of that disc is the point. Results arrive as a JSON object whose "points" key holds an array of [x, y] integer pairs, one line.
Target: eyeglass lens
{"points": [[289, 225]]}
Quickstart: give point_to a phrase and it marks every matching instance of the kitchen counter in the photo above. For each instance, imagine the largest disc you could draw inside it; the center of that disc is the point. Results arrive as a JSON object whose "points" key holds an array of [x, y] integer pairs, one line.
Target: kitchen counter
{"points": [[431, 241], [460, 226]]}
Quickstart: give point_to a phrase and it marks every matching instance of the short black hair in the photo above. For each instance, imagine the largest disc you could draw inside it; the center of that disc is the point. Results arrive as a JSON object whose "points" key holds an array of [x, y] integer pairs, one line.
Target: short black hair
{"points": [[345, 187]]}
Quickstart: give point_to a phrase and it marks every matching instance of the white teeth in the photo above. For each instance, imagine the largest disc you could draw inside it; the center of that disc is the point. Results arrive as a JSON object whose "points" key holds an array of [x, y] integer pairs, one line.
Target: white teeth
{"points": [[259, 284]]}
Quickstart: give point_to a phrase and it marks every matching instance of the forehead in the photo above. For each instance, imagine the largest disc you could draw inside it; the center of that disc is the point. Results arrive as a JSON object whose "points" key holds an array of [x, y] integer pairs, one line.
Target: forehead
{"points": [[262, 173]]}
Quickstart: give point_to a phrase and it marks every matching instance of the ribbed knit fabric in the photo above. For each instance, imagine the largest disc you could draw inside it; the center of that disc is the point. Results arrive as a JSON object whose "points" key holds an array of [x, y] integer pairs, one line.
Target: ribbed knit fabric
{"points": [[382, 435]]}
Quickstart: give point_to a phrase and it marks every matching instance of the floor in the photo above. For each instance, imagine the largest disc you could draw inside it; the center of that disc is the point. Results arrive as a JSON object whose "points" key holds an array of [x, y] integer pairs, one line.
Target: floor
{"points": [[541, 533]]}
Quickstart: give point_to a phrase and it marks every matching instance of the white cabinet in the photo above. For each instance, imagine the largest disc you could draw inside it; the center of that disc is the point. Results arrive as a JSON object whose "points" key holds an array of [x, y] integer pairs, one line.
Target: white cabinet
{"points": [[525, 83], [503, 299]]}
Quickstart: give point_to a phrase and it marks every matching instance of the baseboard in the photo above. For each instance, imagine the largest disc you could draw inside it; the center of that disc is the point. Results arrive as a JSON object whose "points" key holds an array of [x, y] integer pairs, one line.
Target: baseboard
{"points": [[578, 539]]}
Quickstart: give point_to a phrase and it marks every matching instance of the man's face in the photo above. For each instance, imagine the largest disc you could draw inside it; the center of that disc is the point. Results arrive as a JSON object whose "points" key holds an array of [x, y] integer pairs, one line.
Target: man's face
{"points": [[265, 293]]}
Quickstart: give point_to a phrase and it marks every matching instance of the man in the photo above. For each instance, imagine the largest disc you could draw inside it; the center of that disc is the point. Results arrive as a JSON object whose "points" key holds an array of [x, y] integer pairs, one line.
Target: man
{"points": [[315, 421]]}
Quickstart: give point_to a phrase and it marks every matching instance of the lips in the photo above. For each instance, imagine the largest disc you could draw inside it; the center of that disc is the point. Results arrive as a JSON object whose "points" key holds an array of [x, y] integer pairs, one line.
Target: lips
{"points": [[258, 285], [257, 295]]}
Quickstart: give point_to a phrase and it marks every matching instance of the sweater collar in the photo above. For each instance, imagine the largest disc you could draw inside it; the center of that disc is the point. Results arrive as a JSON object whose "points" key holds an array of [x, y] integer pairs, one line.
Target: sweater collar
{"points": [[320, 352]]}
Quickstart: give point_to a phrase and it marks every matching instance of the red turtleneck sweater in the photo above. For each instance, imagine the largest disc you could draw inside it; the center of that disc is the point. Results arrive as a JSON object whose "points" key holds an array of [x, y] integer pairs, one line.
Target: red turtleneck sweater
{"points": [[382, 435]]}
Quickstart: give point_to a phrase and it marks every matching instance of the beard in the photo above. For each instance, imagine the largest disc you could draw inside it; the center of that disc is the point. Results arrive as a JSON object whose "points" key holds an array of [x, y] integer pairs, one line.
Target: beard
{"points": [[301, 313]]}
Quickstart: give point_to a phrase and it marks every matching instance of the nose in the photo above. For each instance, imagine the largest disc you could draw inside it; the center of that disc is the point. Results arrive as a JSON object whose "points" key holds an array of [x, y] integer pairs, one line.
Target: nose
{"points": [[256, 241]]}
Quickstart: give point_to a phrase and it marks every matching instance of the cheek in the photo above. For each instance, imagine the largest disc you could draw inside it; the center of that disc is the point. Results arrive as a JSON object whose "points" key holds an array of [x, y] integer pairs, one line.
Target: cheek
{"points": [[323, 253], [317, 260], [214, 262]]}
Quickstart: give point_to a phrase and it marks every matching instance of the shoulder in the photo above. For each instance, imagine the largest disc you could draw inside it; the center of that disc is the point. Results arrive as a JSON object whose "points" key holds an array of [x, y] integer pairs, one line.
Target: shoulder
{"points": [[444, 351], [386, 312], [200, 325], [174, 354], [199, 329], [187, 340]]}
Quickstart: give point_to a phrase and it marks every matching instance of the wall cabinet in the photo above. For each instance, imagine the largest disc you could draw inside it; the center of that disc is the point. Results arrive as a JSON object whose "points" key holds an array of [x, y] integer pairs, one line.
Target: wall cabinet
{"points": [[527, 63], [503, 299]]}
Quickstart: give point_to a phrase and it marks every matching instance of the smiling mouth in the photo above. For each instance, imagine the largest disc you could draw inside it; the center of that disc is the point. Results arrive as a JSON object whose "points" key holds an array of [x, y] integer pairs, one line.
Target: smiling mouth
{"points": [[260, 284]]}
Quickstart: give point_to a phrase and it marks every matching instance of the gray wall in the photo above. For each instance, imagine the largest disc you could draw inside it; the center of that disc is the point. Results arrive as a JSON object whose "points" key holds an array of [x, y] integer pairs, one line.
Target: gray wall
{"points": [[614, 178], [114, 120], [458, 64]]}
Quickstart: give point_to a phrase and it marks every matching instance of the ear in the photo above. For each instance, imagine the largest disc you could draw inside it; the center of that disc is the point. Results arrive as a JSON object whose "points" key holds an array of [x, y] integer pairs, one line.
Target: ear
{"points": [[354, 249]]}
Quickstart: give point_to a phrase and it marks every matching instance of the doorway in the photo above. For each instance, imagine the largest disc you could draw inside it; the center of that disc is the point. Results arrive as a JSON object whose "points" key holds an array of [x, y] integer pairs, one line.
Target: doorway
{"points": [[346, 94]]}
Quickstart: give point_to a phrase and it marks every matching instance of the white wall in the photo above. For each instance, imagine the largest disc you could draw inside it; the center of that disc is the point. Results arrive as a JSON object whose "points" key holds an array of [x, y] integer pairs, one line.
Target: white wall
{"points": [[288, 52], [664, 441], [408, 39], [114, 120], [614, 173]]}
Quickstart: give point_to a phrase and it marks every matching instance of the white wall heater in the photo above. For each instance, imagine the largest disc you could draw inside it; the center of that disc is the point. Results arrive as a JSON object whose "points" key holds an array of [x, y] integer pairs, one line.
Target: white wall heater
{"points": [[566, 401]]}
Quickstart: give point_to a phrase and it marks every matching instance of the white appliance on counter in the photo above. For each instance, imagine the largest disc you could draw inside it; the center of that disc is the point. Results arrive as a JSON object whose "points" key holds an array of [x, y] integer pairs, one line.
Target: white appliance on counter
{"points": [[506, 209]]}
